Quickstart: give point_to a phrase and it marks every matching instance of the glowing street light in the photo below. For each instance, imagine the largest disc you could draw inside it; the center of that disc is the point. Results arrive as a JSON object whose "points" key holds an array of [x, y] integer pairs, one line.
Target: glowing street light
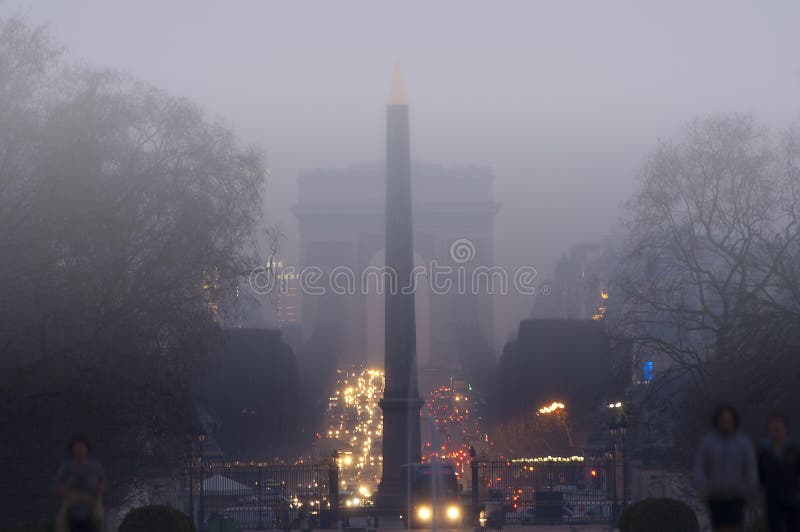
{"points": [[553, 407]]}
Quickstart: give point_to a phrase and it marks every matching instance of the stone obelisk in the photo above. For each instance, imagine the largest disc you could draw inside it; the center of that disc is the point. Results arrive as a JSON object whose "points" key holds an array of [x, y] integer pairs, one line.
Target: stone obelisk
{"points": [[401, 402]]}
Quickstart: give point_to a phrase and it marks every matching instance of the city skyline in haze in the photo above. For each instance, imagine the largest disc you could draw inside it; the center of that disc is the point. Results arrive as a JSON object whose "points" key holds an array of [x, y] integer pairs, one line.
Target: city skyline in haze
{"points": [[563, 102]]}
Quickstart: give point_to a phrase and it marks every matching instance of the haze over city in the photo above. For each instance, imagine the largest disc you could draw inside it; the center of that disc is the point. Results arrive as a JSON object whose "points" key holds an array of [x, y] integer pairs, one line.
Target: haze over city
{"points": [[357, 265], [562, 101]]}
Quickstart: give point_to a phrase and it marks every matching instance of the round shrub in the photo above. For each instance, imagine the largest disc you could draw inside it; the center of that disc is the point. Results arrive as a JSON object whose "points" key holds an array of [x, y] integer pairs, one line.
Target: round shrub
{"points": [[759, 525], [659, 515], [41, 527], [156, 519]]}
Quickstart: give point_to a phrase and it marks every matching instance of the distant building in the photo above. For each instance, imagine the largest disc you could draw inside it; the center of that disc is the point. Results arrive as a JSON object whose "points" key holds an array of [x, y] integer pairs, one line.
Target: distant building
{"points": [[341, 220], [581, 284], [583, 288], [249, 394], [279, 307], [554, 361], [288, 301], [211, 292]]}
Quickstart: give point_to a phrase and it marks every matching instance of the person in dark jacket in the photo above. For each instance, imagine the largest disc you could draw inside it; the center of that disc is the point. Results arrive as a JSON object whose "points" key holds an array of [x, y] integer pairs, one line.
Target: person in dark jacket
{"points": [[80, 482], [725, 472], [779, 471]]}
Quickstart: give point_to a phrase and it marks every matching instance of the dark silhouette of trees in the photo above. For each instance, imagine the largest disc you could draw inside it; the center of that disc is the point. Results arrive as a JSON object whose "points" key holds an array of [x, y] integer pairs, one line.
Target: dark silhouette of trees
{"points": [[568, 361], [251, 390], [710, 278], [318, 359], [124, 219]]}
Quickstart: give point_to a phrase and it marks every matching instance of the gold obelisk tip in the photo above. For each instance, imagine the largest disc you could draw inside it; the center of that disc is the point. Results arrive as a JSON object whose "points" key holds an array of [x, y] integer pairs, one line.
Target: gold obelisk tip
{"points": [[397, 94]]}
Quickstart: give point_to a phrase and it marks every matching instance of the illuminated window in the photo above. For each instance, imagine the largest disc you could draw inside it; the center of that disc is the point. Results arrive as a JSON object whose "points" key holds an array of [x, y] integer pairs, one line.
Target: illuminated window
{"points": [[647, 371]]}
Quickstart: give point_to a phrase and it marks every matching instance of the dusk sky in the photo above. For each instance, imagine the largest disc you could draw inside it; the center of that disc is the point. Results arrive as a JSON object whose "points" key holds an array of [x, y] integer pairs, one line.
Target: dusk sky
{"points": [[561, 100]]}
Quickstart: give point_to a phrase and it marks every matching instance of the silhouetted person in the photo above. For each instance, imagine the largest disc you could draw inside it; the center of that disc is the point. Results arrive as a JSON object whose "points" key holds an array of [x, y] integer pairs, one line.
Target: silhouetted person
{"points": [[779, 469], [725, 471], [80, 482], [286, 524], [305, 522]]}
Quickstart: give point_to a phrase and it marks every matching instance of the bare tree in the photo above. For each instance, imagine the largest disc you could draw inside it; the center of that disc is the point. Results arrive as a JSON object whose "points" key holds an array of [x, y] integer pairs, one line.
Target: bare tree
{"points": [[116, 201], [709, 280]]}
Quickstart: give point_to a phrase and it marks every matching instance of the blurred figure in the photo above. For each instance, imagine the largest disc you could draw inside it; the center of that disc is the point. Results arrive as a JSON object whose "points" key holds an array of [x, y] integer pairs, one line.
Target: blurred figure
{"points": [[80, 482], [285, 522], [725, 471], [779, 469], [305, 522]]}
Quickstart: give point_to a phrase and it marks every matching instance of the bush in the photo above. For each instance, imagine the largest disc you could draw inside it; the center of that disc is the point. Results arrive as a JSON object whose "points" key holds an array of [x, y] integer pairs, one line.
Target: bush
{"points": [[758, 525], [659, 515], [156, 519], [41, 527]]}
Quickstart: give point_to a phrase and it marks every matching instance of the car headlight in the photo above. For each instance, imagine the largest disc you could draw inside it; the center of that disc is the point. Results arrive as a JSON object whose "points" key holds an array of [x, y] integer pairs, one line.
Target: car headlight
{"points": [[424, 513], [453, 513]]}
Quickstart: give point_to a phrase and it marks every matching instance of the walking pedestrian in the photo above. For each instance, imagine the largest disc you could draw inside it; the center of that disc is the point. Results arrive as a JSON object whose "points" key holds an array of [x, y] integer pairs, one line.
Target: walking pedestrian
{"points": [[779, 470], [305, 522], [286, 523], [80, 482], [725, 471]]}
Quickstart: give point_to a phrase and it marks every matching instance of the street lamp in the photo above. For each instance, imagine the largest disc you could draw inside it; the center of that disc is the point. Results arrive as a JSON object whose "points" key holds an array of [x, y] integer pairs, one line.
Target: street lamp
{"points": [[473, 465], [619, 428], [333, 486], [202, 517], [191, 479], [622, 425]]}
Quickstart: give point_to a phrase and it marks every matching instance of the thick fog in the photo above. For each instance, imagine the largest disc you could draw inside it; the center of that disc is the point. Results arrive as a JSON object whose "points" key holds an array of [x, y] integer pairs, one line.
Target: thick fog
{"points": [[562, 100]]}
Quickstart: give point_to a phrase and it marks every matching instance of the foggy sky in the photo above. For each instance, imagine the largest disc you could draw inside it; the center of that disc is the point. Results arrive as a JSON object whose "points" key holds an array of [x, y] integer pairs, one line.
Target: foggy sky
{"points": [[561, 99]]}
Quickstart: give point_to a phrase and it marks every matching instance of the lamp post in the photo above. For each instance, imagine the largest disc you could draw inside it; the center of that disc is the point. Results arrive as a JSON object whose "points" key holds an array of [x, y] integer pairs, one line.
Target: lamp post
{"points": [[333, 487], [619, 428], [191, 478], [473, 464], [202, 514], [623, 428]]}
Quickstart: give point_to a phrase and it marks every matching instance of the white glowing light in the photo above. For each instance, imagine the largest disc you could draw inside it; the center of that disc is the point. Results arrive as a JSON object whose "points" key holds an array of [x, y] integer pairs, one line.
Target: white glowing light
{"points": [[453, 513]]}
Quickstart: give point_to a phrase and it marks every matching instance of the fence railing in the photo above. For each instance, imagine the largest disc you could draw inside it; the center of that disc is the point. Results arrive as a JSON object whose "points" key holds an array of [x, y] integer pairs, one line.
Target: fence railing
{"points": [[545, 491], [260, 497], [532, 491]]}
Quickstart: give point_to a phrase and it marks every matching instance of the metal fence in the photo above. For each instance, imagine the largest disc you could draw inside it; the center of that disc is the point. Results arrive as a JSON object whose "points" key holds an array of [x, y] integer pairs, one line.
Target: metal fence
{"points": [[542, 491], [532, 491], [260, 497]]}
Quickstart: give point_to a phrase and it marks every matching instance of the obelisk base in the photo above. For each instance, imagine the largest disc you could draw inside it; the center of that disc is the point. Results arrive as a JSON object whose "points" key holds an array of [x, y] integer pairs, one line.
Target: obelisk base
{"points": [[400, 416]]}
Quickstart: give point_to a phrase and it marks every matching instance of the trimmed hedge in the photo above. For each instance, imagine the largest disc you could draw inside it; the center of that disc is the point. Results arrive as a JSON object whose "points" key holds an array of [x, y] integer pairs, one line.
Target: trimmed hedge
{"points": [[156, 519], [659, 515], [41, 527], [759, 525]]}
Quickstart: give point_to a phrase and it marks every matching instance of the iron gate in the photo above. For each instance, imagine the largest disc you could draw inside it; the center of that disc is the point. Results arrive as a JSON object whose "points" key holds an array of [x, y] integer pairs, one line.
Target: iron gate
{"points": [[545, 490], [519, 491], [260, 497]]}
